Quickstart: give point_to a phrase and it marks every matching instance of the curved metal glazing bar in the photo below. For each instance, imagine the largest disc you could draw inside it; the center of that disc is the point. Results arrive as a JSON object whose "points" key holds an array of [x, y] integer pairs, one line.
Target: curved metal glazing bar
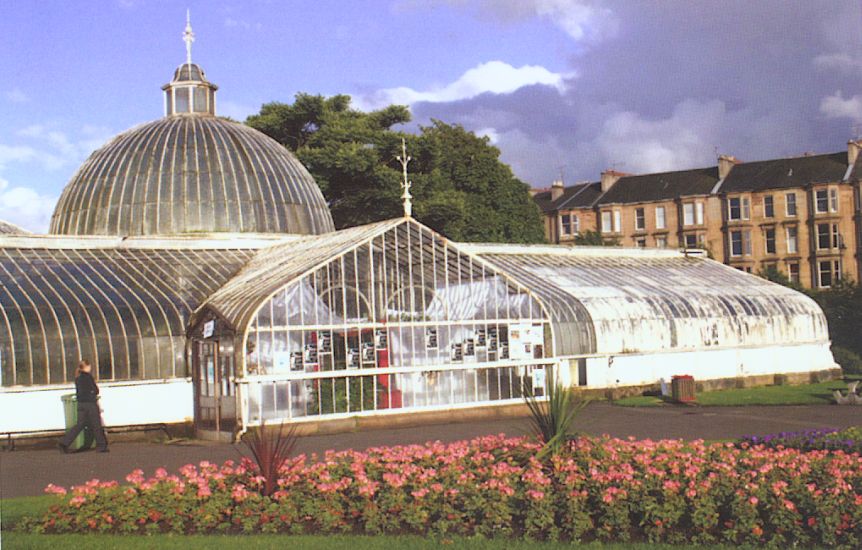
{"points": [[193, 173], [639, 303], [123, 309], [402, 297]]}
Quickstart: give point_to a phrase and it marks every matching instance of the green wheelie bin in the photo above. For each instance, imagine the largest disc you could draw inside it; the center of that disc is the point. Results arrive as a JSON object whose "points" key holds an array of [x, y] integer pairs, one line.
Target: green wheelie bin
{"points": [[70, 410]]}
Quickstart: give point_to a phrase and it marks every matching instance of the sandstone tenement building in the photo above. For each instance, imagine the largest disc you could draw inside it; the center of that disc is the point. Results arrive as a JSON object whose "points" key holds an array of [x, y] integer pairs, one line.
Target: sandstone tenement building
{"points": [[800, 215]]}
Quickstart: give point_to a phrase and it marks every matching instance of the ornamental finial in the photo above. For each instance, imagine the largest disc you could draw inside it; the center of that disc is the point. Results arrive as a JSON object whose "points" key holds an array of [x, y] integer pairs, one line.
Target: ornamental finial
{"points": [[188, 37], [405, 183]]}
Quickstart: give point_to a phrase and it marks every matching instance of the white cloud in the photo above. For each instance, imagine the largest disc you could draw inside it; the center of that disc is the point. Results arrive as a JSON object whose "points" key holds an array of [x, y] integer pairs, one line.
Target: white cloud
{"points": [[15, 95], [835, 106], [496, 77], [528, 155], [230, 23], [839, 61], [15, 153], [51, 148], [582, 20], [490, 133], [26, 207], [685, 139]]}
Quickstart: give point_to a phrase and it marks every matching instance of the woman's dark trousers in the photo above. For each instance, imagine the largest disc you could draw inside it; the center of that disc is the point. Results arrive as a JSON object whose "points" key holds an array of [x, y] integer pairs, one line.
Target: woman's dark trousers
{"points": [[89, 416]]}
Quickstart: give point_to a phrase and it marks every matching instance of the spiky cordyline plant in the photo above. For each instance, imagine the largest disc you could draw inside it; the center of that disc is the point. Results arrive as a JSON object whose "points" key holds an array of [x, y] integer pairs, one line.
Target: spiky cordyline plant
{"points": [[552, 417], [271, 447]]}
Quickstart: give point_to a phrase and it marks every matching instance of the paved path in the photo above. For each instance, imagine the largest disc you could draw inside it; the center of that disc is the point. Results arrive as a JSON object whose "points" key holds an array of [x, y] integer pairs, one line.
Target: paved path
{"points": [[26, 471]]}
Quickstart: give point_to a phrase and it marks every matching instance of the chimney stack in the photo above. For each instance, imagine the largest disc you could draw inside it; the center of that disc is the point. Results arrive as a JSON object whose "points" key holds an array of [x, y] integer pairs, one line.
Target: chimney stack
{"points": [[853, 149], [609, 178], [725, 165], [557, 189]]}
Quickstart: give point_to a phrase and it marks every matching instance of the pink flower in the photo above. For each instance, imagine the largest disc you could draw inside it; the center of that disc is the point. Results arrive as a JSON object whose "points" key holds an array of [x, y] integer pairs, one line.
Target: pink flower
{"points": [[753, 501], [52, 489], [536, 495], [239, 492]]}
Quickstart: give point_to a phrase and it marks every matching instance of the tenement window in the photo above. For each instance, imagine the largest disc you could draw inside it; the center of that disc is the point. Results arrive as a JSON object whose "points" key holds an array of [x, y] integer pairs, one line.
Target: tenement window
{"points": [[740, 243], [793, 272], [660, 222], [792, 239], [640, 219], [688, 213], [738, 208], [768, 207], [769, 236], [606, 222], [821, 201], [790, 203]]}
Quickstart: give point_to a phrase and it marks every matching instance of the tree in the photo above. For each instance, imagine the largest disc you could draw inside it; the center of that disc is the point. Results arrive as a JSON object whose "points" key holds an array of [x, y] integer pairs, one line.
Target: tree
{"points": [[595, 238], [842, 305], [460, 187]]}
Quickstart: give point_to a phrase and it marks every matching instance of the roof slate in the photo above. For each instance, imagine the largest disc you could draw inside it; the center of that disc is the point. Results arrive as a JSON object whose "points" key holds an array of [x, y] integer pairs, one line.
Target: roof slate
{"points": [[785, 173], [580, 195], [661, 186]]}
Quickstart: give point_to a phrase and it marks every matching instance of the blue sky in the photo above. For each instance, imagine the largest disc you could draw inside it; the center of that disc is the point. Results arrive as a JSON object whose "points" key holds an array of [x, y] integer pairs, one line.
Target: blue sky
{"points": [[577, 85]]}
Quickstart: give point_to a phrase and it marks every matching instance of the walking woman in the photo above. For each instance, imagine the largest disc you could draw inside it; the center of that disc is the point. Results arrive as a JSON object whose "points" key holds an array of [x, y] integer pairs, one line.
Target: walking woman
{"points": [[88, 410]]}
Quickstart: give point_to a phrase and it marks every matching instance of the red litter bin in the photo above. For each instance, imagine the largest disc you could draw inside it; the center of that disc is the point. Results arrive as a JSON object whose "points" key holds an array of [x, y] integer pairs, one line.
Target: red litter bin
{"points": [[682, 388]]}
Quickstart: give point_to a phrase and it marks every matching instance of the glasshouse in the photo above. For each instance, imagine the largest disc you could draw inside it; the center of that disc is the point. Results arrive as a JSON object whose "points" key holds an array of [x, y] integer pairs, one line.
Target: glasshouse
{"points": [[193, 261]]}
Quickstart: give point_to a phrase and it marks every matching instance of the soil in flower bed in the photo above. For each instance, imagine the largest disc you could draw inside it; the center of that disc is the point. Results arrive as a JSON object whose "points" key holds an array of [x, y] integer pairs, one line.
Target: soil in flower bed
{"points": [[594, 489]]}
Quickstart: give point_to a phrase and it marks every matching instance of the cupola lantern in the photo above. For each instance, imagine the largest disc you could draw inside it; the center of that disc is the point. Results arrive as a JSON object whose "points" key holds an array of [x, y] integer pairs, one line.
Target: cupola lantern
{"points": [[189, 92]]}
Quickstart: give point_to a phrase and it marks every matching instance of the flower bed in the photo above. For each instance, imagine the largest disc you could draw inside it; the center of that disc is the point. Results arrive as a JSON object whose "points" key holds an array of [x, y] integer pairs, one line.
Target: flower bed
{"points": [[594, 489], [824, 439]]}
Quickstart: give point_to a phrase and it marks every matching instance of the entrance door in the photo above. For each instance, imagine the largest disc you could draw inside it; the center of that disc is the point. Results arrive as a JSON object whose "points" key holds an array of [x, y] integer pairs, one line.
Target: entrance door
{"points": [[215, 392]]}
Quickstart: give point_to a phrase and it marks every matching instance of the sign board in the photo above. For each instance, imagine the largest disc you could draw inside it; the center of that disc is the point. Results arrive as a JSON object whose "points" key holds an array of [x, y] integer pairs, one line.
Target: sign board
{"points": [[523, 338], [209, 328], [281, 360], [538, 379]]}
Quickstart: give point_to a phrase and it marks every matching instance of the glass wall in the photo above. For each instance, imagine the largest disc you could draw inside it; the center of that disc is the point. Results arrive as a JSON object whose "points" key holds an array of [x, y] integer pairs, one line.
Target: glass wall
{"points": [[124, 310], [403, 321]]}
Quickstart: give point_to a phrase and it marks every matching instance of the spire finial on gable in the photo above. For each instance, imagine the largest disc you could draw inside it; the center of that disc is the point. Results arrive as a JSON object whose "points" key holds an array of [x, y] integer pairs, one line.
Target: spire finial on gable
{"points": [[404, 159], [188, 37]]}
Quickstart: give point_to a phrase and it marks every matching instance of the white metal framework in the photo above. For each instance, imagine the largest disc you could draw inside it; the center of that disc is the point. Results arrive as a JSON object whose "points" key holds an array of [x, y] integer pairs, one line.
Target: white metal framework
{"points": [[381, 317]]}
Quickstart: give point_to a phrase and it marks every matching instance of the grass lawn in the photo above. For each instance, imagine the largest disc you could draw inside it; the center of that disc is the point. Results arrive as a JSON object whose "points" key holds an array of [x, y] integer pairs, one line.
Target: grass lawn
{"points": [[11, 510], [805, 394]]}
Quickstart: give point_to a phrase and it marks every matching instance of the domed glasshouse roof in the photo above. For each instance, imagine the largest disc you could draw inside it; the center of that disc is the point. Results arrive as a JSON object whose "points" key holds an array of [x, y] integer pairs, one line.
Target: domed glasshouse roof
{"points": [[191, 172]]}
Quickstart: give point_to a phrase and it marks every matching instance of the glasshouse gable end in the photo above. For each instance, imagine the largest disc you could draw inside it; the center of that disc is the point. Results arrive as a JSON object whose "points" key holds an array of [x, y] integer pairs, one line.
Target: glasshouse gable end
{"points": [[194, 263]]}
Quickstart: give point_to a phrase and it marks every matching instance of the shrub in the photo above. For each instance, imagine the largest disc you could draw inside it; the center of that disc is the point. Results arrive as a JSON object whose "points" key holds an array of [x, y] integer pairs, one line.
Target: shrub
{"points": [[593, 489], [823, 439], [850, 362], [552, 417], [271, 448]]}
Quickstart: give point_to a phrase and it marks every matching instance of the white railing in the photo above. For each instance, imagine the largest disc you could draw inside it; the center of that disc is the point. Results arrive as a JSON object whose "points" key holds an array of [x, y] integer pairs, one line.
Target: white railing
{"points": [[303, 396]]}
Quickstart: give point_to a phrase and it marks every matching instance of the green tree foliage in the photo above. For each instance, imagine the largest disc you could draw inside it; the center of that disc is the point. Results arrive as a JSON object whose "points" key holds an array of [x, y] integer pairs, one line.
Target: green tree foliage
{"points": [[460, 187], [842, 305]]}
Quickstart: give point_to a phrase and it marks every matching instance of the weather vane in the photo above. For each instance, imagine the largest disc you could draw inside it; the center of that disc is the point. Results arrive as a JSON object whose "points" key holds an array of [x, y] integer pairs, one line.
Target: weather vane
{"points": [[404, 159], [188, 37]]}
